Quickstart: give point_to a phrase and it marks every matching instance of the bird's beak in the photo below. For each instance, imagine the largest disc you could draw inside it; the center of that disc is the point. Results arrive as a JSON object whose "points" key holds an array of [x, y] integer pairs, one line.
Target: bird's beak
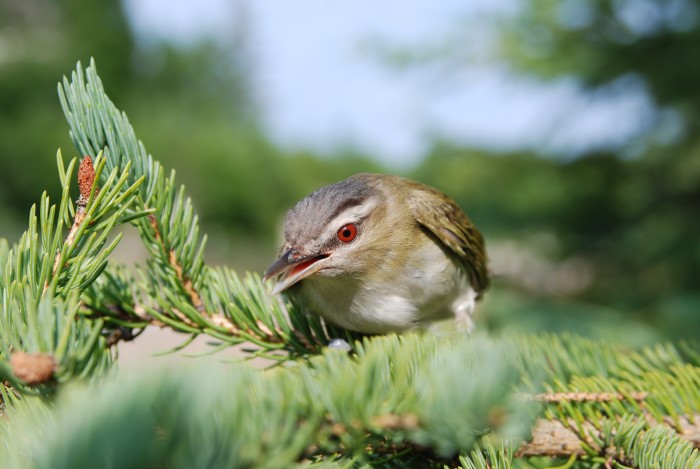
{"points": [[291, 268]]}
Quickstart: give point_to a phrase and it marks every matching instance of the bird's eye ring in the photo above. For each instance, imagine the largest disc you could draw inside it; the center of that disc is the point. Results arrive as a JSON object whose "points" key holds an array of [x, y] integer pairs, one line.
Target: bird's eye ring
{"points": [[347, 233]]}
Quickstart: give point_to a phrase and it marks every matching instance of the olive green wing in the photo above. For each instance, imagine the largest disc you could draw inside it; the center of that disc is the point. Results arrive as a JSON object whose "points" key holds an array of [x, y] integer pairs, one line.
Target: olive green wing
{"points": [[442, 217]]}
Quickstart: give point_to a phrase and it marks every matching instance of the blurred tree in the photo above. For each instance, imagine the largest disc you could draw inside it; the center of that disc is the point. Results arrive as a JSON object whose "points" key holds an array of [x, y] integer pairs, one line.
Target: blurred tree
{"points": [[645, 226], [631, 212], [195, 105], [41, 40]]}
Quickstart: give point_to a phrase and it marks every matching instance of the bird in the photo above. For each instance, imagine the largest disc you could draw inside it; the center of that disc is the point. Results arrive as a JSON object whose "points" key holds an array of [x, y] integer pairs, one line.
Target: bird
{"points": [[380, 253]]}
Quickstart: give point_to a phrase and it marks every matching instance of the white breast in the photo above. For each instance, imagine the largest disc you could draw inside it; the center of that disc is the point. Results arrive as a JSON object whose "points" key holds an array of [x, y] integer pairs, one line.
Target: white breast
{"points": [[431, 287]]}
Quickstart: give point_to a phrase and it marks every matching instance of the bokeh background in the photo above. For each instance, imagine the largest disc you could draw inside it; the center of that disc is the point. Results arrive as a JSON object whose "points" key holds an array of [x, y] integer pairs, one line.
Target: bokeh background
{"points": [[569, 131]]}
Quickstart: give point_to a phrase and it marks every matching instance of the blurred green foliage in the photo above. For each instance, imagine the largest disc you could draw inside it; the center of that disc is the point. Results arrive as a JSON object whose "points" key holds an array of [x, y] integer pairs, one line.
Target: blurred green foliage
{"points": [[42, 40], [636, 219], [634, 238], [606, 244], [194, 107]]}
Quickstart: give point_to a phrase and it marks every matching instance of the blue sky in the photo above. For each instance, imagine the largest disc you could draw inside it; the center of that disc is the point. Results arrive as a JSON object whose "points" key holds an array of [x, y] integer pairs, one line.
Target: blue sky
{"points": [[321, 84]]}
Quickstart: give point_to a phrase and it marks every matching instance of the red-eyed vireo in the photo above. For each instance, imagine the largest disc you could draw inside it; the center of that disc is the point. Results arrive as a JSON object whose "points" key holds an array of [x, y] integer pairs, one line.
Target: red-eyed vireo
{"points": [[378, 253]]}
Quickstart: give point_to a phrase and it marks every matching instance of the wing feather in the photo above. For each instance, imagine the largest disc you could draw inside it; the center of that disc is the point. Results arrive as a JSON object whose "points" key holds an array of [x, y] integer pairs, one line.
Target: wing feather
{"points": [[431, 208]]}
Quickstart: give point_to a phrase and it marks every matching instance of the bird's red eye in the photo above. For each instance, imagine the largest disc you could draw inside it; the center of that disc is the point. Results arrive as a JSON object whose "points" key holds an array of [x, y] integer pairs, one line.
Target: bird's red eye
{"points": [[347, 233]]}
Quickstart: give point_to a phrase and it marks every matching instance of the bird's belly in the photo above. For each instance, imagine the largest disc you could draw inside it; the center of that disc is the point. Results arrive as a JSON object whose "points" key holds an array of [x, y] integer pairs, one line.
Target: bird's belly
{"points": [[345, 302], [426, 292]]}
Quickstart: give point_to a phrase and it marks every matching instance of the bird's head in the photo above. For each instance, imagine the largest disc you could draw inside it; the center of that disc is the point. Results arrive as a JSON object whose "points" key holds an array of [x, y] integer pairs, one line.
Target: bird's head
{"points": [[329, 233]]}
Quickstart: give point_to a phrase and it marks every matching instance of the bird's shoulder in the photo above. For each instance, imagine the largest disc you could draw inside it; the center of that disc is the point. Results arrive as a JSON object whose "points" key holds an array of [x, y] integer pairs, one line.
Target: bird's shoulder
{"points": [[444, 219], [441, 216]]}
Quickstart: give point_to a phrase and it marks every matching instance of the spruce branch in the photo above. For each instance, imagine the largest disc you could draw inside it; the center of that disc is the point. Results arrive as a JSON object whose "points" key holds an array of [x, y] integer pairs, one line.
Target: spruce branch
{"points": [[378, 405], [177, 289], [400, 400], [397, 401], [43, 339], [557, 439], [593, 390], [489, 453], [86, 180]]}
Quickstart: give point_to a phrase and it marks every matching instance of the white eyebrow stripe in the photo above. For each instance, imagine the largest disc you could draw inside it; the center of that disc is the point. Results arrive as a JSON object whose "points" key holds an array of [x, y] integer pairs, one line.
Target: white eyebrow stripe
{"points": [[351, 215]]}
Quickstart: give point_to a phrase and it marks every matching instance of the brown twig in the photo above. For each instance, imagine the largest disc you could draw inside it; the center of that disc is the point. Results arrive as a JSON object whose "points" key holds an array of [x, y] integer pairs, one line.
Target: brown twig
{"points": [[217, 319], [552, 438], [86, 178], [558, 397], [122, 334], [186, 282]]}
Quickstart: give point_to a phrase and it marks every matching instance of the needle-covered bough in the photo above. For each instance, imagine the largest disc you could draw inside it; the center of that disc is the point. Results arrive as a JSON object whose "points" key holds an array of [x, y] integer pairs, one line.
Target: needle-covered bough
{"points": [[415, 399]]}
